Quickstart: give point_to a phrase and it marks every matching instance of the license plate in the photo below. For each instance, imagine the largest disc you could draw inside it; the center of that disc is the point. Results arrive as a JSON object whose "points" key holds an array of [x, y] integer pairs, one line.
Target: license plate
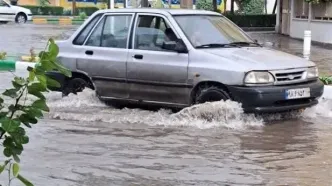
{"points": [[298, 93]]}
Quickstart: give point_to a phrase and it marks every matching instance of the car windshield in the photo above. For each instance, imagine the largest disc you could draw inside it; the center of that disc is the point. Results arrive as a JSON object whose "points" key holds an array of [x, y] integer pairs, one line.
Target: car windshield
{"points": [[212, 31], [3, 2]]}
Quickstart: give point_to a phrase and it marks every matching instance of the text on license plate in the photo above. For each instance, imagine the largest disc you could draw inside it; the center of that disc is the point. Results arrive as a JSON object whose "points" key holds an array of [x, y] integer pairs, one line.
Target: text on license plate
{"points": [[297, 93]]}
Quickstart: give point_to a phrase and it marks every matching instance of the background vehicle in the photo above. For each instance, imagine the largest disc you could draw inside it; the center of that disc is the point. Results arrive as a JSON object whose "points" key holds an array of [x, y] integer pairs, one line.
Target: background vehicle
{"points": [[11, 13], [182, 57]]}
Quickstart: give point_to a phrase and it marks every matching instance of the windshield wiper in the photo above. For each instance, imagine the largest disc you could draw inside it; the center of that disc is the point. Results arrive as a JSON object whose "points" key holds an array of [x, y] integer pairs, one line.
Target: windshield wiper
{"points": [[216, 45], [245, 43]]}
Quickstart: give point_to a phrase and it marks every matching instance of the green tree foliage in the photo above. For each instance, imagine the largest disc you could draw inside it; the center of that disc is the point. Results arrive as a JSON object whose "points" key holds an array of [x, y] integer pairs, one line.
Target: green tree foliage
{"points": [[251, 7], [16, 114], [43, 2], [204, 5]]}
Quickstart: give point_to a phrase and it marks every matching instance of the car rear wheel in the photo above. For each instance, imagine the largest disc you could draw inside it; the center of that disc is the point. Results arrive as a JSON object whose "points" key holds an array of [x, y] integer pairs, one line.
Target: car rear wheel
{"points": [[21, 18], [210, 94], [74, 86], [3, 22]]}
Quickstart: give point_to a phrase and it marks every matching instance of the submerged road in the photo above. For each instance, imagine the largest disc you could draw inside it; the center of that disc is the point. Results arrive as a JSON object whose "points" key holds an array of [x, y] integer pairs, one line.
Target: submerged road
{"points": [[82, 142]]}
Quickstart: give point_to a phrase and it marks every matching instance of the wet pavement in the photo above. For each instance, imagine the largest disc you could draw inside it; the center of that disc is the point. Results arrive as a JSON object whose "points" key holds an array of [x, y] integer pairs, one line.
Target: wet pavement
{"points": [[82, 142]]}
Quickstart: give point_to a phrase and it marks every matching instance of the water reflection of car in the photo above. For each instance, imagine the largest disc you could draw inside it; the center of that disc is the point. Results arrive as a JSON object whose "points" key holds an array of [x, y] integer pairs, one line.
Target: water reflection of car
{"points": [[11, 13], [207, 59]]}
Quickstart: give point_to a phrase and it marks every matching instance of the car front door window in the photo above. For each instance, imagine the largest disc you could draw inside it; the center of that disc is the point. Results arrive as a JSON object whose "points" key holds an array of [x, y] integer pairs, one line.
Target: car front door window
{"points": [[151, 32], [3, 4], [112, 31]]}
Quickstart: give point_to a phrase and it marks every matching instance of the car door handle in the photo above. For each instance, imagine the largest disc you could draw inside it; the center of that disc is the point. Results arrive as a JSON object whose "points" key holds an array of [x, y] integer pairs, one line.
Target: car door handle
{"points": [[138, 56], [89, 52]]}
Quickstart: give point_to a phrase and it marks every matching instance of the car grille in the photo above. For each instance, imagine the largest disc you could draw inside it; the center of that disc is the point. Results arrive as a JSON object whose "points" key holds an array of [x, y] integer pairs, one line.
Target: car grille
{"points": [[289, 76]]}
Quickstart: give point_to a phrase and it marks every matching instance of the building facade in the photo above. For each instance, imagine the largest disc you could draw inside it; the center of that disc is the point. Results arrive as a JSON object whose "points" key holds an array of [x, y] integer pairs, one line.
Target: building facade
{"points": [[296, 16]]}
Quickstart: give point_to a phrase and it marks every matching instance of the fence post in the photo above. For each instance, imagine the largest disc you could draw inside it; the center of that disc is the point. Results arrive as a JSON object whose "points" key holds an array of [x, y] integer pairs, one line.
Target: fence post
{"points": [[306, 44]]}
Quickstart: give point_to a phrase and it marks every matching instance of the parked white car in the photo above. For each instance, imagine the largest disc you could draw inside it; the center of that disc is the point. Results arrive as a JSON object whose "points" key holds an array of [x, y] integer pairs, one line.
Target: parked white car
{"points": [[10, 13]]}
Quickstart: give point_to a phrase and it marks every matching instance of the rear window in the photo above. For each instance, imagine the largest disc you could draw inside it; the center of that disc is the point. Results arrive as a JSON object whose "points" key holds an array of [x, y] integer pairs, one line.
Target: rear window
{"points": [[80, 38]]}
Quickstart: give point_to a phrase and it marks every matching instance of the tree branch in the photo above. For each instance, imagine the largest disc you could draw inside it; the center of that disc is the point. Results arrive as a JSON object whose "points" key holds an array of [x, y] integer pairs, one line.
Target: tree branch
{"points": [[17, 100]]}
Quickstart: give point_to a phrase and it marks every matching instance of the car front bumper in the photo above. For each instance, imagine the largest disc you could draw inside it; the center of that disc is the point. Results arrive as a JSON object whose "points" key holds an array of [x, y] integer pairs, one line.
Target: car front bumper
{"points": [[29, 17], [272, 98]]}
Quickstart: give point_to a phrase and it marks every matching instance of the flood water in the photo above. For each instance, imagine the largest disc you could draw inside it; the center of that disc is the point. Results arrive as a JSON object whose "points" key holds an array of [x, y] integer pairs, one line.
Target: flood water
{"points": [[83, 142]]}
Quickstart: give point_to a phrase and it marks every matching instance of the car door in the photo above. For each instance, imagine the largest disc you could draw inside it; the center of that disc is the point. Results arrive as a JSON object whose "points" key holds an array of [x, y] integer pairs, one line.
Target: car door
{"points": [[104, 55], [155, 74], [5, 11]]}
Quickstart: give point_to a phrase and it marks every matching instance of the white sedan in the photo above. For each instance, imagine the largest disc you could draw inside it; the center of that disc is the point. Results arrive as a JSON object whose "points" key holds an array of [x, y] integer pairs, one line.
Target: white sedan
{"points": [[11, 13]]}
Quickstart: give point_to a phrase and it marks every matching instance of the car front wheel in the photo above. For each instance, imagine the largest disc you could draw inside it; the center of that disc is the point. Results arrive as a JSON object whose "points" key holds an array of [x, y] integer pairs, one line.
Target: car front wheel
{"points": [[74, 86], [20, 18], [210, 94]]}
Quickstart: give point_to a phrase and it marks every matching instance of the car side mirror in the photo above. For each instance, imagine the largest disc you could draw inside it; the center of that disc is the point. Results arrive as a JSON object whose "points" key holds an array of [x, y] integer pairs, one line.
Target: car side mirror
{"points": [[177, 46]]}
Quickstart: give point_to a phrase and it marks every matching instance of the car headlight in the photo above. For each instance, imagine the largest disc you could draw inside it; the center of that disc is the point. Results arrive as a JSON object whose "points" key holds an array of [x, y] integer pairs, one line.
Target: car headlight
{"points": [[258, 78], [312, 72]]}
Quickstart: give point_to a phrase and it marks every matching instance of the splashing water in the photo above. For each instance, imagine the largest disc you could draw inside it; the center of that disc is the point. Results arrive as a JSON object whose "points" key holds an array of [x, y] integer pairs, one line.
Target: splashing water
{"points": [[86, 107]]}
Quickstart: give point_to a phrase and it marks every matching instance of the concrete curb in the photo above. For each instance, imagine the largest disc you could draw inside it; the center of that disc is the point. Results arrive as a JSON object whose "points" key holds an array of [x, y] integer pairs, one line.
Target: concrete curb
{"points": [[58, 21], [12, 65]]}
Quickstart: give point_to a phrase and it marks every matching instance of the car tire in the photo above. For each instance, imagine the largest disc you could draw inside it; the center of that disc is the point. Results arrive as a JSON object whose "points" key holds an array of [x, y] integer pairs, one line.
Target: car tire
{"points": [[210, 94], [74, 86], [3, 22], [21, 18]]}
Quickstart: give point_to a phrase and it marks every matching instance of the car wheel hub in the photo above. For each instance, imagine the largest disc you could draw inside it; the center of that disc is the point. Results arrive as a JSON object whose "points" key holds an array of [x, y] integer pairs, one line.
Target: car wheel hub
{"points": [[21, 19]]}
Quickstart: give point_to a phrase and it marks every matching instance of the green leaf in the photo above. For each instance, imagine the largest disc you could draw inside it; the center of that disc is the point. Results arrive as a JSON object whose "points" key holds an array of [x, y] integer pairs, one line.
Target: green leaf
{"points": [[11, 93], [7, 152], [37, 87], [26, 119], [16, 85], [39, 70], [15, 148], [25, 139], [47, 65], [16, 169], [32, 76], [40, 104], [53, 83], [8, 142], [62, 69], [16, 158], [24, 181], [43, 55], [10, 125], [20, 131], [19, 80], [38, 94], [1, 100], [12, 108], [26, 124], [42, 80], [34, 112], [3, 114], [54, 50], [2, 167]]}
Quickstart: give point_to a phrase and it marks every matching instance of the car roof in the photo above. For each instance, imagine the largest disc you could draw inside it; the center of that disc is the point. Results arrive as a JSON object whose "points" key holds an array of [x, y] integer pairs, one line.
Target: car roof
{"points": [[160, 10]]}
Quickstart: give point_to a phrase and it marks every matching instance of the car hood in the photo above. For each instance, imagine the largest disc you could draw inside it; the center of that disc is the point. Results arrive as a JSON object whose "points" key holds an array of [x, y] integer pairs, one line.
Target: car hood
{"points": [[260, 58]]}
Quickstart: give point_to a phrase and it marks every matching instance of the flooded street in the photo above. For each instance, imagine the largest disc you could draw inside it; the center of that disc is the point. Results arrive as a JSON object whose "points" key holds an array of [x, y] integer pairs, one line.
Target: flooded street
{"points": [[83, 142]]}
